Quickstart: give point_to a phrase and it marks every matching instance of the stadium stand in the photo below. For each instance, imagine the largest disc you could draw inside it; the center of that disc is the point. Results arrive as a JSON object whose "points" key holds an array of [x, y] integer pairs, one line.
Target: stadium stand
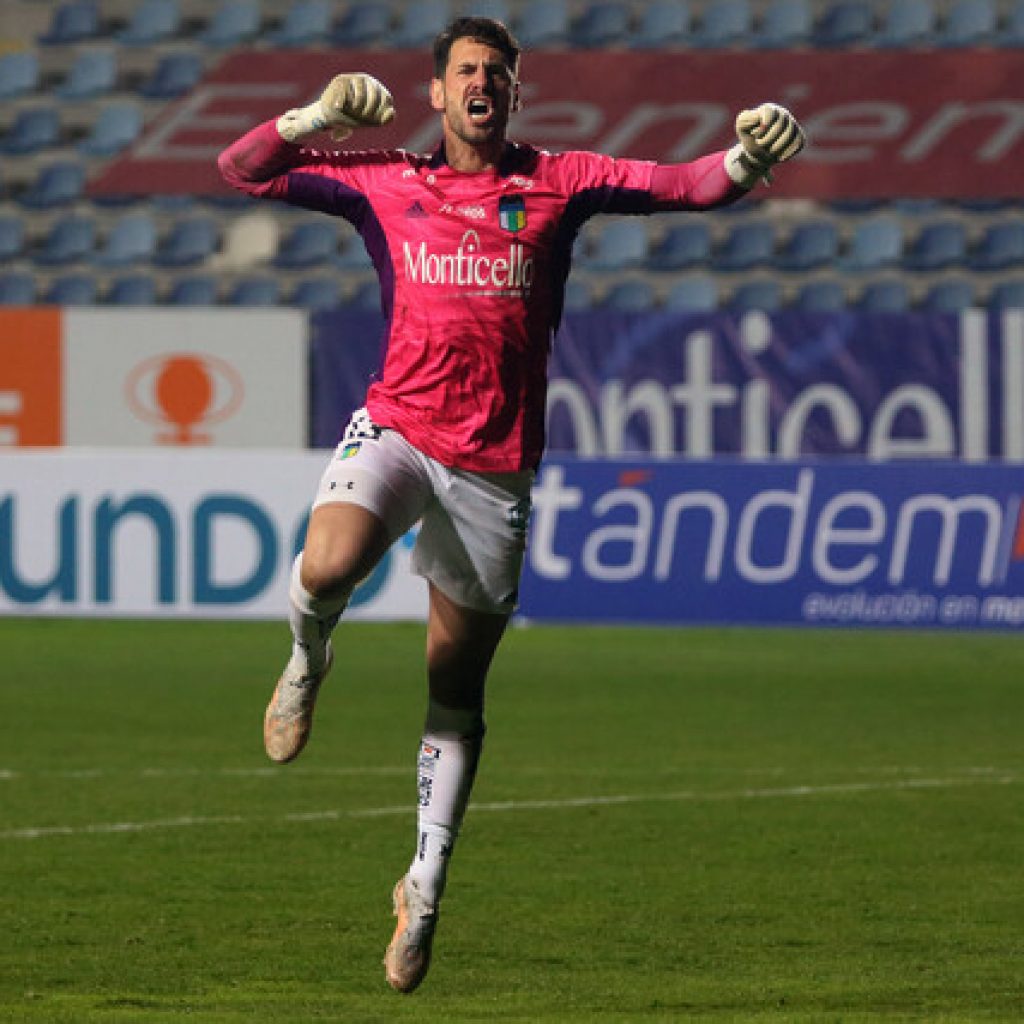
{"points": [[785, 23], [17, 288], [153, 21], [662, 24], [307, 23], [94, 73], [19, 75], [73, 22]]}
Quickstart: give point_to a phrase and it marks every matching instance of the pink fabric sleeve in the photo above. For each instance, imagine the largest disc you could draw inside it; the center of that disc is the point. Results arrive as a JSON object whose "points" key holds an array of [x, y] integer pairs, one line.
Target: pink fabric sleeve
{"points": [[699, 185], [259, 161]]}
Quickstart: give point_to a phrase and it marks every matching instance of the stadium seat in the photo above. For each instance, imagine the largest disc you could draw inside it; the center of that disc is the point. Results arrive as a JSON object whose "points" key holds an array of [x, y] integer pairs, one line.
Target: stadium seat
{"points": [[19, 75], [661, 24], [255, 291], [191, 241], [365, 297], [579, 296], [194, 290], [12, 237], [764, 294], [969, 23], [884, 296], [950, 296], [362, 24], [824, 296], [843, 24], [132, 290], [234, 22], [93, 73], [152, 22], [132, 240], [499, 10], [697, 293], [812, 244], [72, 290], [875, 242], [56, 184], [908, 23], [725, 23], [317, 293], [783, 24], [1000, 247], [33, 130], [174, 75], [544, 23], [634, 295], [1012, 32], [352, 255], [17, 288], [69, 240], [747, 244], [938, 245], [1007, 295], [116, 127], [73, 22], [684, 245], [603, 23], [306, 23], [308, 244], [419, 23], [622, 243]]}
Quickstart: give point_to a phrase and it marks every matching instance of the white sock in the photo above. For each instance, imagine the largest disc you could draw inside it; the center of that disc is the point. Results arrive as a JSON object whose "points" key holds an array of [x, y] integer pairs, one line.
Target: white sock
{"points": [[311, 621], [448, 757]]}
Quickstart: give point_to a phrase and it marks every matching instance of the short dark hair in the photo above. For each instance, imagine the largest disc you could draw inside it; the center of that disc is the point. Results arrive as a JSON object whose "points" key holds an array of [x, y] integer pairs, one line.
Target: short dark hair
{"points": [[484, 30]]}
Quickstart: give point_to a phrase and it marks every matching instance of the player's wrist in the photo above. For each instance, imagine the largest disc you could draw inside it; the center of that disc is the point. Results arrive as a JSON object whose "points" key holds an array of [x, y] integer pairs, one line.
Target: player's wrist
{"points": [[743, 169], [296, 124]]}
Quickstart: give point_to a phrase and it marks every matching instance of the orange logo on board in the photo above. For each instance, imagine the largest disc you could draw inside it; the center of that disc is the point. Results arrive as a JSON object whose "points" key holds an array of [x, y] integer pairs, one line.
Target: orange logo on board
{"points": [[30, 377]]}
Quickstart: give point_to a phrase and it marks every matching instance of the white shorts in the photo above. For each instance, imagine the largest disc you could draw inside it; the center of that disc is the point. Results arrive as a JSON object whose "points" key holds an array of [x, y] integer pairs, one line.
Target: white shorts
{"points": [[473, 534]]}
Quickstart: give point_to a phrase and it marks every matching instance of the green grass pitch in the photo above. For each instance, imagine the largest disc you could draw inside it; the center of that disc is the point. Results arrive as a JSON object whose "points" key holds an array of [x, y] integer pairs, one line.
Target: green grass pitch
{"points": [[669, 825]]}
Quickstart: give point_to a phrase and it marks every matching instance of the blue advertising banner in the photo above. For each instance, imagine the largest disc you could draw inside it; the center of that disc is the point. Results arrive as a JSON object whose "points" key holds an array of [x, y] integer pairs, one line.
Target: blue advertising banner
{"points": [[784, 386], [828, 542]]}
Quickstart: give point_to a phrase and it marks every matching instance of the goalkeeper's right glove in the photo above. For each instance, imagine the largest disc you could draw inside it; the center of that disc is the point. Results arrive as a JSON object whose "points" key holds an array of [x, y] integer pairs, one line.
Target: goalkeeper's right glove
{"points": [[349, 101], [768, 135]]}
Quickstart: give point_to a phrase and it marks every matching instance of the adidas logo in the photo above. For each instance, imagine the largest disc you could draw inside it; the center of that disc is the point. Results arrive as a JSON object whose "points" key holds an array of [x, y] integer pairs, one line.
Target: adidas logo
{"points": [[416, 210]]}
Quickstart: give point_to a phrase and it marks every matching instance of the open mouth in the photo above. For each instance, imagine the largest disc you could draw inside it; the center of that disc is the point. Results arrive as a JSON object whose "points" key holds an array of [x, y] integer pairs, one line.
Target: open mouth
{"points": [[480, 109]]}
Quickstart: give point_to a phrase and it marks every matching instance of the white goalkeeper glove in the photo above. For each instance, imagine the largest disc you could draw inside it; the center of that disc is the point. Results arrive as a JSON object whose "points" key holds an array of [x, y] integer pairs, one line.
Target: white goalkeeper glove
{"points": [[349, 101], [768, 135]]}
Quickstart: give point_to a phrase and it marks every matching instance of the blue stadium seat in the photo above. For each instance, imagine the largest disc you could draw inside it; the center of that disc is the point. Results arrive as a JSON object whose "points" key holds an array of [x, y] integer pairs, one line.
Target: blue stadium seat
{"points": [[419, 23], [69, 240], [353, 255], [17, 288], [812, 244], [191, 241], [306, 23], [579, 296], [174, 75], [1000, 247], [73, 22], [499, 10], [544, 23], [132, 240], [93, 73], [19, 75], [255, 291], [33, 130], [684, 245], [785, 23], [56, 184], [725, 23], [875, 242], [72, 290], [116, 127], [234, 22], [362, 24], [317, 293], [762, 293], [1007, 295], [12, 237], [602, 23], [662, 24], [938, 245], [1012, 32], [846, 23], [194, 290], [365, 296], [889, 295], [950, 296], [747, 244], [824, 296], [132, 290], [908, 23], [634, 295], [969, 23], [697, 293], [152, 22], [308, 244], [621, 244]]}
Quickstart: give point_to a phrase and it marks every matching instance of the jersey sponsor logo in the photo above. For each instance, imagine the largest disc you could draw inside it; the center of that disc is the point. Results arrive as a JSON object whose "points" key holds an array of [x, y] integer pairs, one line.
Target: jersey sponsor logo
{"points": [[469, 212], [512, 213], [508, 273]]}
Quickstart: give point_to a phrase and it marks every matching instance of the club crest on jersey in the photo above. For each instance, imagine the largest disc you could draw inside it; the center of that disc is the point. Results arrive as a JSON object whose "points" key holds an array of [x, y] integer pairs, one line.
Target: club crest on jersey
{"points": [[349, 450], [512, 213]]}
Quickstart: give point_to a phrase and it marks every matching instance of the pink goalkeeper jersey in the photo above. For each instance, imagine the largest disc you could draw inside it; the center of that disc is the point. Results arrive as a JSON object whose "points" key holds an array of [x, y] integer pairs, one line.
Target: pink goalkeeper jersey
{"points": [[472, 270]]}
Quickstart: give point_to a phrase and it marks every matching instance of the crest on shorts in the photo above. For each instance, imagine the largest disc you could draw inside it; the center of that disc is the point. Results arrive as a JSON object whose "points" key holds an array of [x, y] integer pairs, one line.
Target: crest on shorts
{"points": [[512, 213]]}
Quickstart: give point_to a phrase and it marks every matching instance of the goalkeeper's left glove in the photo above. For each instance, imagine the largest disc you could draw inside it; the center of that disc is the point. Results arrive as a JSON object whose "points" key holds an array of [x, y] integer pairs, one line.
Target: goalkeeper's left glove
{"points": [[768, 135], [350, 101]]}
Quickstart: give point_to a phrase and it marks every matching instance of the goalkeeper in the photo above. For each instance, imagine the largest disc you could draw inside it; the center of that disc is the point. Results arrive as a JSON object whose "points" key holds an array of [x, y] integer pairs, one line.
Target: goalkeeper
{"points": [[472, 244]]}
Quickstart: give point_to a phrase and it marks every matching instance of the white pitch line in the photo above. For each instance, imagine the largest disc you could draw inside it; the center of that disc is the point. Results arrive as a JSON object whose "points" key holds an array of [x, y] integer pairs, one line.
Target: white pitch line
{"points": [[684, 796]]}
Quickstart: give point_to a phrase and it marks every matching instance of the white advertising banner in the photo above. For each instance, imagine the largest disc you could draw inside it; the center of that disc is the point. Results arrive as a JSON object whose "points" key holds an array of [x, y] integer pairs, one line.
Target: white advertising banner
{"points": [[161, 534], [185, 377]]}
